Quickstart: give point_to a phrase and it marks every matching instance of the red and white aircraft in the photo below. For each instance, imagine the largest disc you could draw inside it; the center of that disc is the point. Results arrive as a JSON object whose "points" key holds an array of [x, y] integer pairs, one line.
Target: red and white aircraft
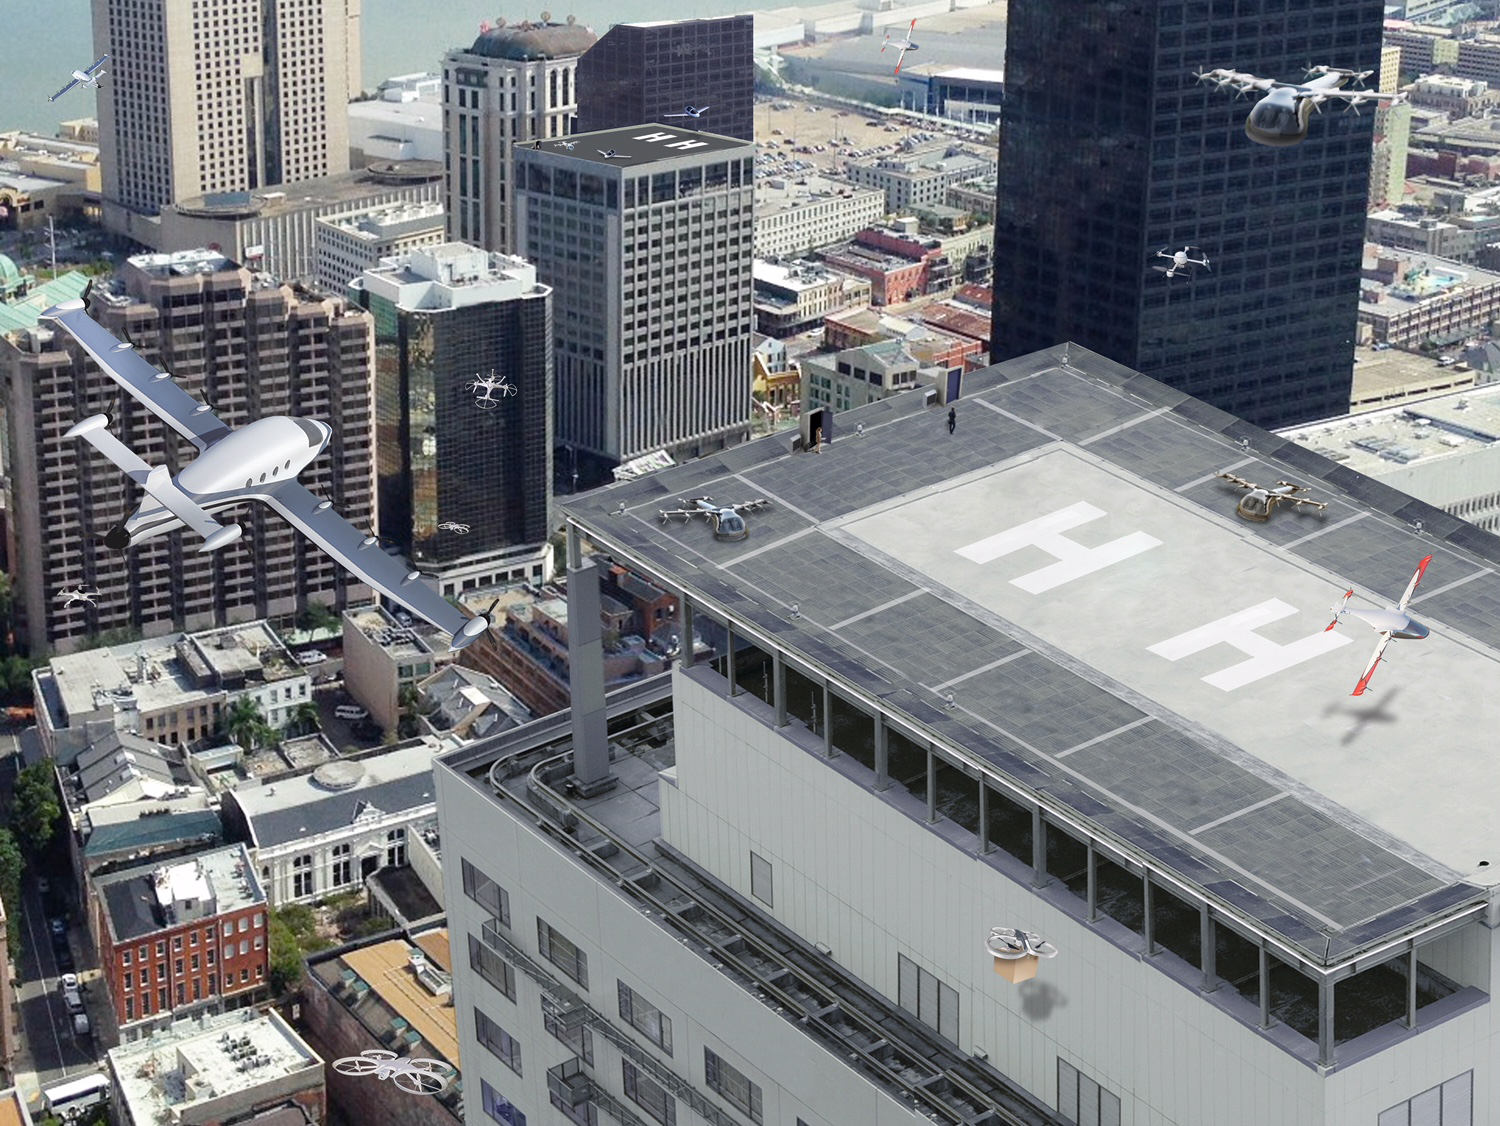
{"points": [[1393, 623], [904, 44]]}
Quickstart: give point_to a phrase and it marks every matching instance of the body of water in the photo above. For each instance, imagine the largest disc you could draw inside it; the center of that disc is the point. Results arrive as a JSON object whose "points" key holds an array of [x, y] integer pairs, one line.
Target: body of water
{"points": [[42, 43]]}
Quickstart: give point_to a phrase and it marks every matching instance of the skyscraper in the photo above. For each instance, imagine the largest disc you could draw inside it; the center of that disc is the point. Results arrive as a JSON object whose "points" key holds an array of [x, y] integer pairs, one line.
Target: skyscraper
{"points": [[248, 350], [649, 254], [640, 72], [463, 412], [228, 97], [513, 84], [1110, 152]]}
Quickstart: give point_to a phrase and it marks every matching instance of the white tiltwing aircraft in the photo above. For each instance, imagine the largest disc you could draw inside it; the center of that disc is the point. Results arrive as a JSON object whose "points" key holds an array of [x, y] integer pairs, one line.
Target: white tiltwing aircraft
{"points": [[904, 44], [1396, 623], [266, 455], [89, 78], [1280, 118]]}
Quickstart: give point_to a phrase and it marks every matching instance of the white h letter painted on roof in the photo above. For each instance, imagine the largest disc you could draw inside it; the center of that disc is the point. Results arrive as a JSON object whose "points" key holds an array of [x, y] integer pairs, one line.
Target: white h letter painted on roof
{"points": [[1073, 559], [653, 137], [1266, 657]]}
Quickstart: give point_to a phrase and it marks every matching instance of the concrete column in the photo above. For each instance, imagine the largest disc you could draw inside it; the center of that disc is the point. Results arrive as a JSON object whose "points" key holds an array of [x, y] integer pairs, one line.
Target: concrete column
{"points": [[734, 689], [1265, 987], [1325, 1022], [827, 720], [1039, 877], [984, 819], [882, 755], [1093, 885], [778, 687], [586, 670], [1207, 950], [1411, 988], [1148, 920], [685, 623], [931, 787]]}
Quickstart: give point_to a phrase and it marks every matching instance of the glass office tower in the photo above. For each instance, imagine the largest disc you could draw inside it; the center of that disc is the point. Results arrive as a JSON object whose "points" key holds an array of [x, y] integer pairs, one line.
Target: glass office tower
{"points": [[641, 72], [463, 411], [1111, 151]]}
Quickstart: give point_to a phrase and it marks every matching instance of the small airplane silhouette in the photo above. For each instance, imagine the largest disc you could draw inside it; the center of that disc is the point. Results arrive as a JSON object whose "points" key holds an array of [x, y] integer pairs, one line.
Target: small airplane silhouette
{"points": [[904, 44], [1182, 261], [565, 144], [450, 526], [416, 1076], [610, 154], [1281, 117], [1390, 624], [726, 519], [689, 111], [89, 77], [77, 594], [1260, 502]]}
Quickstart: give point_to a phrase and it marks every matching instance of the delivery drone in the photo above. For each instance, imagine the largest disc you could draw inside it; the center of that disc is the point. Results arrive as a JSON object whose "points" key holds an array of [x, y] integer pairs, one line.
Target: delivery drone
{"points": [[1010, 943], [89, 78], [77, 594], [1281, 117], [1182, 261], [1260, 502], [1390, 624], [726, 519], [411, 1074], [266, 455]]}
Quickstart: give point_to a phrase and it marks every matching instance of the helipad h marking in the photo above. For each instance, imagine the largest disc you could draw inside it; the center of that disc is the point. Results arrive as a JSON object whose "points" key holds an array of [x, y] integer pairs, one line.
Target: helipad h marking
{"points": [[1266, 657], [1074, 560]]}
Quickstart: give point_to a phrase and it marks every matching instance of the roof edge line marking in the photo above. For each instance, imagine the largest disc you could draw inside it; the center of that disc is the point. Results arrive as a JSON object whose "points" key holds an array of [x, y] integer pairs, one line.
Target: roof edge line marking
{"points": [[1228, 817], [1323, 531], [1126, 425], [1244, 461], [1097, 739], [982, 669], [1456, 582]]}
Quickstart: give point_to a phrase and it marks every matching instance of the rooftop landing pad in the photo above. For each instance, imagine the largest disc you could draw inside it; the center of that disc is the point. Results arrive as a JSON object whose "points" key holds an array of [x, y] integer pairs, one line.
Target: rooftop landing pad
{"points": [[1118, 641], [1221, 629]]}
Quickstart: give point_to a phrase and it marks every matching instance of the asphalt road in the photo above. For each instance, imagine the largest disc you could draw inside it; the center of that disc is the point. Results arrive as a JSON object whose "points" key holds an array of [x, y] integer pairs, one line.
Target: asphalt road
{"points": [[47, 1031]]}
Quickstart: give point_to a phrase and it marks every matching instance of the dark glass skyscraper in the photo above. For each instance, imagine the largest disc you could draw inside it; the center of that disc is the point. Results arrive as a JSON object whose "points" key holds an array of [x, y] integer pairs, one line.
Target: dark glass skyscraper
{"points": [[643, 72], [1110, 151], [463, 412]]}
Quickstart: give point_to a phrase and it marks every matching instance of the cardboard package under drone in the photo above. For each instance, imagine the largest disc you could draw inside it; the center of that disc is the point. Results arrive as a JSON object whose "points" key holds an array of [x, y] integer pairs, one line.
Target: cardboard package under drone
{"points": [[1016, 970]]}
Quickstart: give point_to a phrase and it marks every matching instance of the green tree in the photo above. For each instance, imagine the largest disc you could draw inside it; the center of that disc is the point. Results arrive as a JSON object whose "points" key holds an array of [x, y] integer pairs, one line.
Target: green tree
{"points": [[10, 889], [246, 724], [317, 616], [304, 718], [34, 808], [286, 957]]}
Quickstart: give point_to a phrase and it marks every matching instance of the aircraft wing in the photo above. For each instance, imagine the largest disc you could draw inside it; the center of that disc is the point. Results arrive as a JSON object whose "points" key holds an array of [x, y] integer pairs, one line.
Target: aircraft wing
{"points": [[1411, 587], [64, 90], [667, 512], [751, 505], [169, 402], [1240, 80], [1358, 97], [96, 65], [362, 555], [1364, 681], [1240, 481]]}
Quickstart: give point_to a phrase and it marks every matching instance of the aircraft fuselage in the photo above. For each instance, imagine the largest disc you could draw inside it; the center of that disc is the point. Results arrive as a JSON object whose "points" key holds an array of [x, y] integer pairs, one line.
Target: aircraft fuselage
{"points": [[1395, 622], [1280, 118]]}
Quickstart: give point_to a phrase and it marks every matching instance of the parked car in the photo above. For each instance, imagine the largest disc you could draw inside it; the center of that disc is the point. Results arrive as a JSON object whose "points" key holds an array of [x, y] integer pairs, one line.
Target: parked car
{"points": [[74, 1000], [58, 927], [80, 1024], [310, 657], [67, 981], [43, 885], [350, 712]]}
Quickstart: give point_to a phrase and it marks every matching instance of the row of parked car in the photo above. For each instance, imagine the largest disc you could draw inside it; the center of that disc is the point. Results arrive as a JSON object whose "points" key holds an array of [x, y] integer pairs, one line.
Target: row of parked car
{"points": [[67, 982]]}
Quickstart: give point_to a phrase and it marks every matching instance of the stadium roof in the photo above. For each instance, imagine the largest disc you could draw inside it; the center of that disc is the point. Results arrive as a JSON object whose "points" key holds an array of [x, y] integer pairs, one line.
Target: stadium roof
{"points": [[1183, 700]]}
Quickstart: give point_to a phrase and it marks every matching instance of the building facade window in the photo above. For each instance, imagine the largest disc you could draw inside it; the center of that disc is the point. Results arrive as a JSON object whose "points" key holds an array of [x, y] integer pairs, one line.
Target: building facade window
{"points": [[733, 1084], [580, 1039], [562, 953], [498, 1107], [302, 883], [395, 848], [343, 866], [486, 892], [1448, 1104], [501, 1044], [492, 967], [645, 1018], [649, 1095], [1081, 1100], [931, 1001]]}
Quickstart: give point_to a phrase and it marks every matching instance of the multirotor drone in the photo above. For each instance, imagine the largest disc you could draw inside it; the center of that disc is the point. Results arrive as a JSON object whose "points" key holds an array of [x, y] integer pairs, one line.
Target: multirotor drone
{"points": [[490, 384], [415, 1076], [1260, 502], [1182, 261], [451, 526], [77, 594]]}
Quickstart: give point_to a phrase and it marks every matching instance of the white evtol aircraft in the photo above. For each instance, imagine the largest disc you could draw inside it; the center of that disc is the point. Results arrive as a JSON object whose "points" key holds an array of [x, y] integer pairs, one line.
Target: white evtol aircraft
{"points": [[266, 455], [1394, 623], [726, 519], [565, 144], [1182, 261], [689, 111], [89, 77], [610, 154], [77, 594], [904, 44], [1280, 118]]}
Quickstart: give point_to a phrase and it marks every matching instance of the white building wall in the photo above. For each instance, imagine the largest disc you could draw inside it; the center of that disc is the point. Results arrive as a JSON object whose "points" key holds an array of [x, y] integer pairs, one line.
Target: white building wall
{"points": [[797, 1075], [851, 871], [369, 837]]}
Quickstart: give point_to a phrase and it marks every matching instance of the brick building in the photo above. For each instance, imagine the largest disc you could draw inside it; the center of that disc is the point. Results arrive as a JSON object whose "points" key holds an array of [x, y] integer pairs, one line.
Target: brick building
{"points": [[181, 939]]}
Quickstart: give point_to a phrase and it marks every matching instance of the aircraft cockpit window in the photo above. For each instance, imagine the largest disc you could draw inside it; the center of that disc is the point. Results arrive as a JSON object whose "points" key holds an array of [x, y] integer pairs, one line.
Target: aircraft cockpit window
{"points": [[1275, 119], [731, 525]]}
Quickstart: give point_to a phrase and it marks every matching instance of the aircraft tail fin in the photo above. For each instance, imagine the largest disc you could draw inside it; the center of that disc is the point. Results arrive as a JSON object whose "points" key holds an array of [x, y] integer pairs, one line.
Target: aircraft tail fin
{"points": [[1338, 611]]}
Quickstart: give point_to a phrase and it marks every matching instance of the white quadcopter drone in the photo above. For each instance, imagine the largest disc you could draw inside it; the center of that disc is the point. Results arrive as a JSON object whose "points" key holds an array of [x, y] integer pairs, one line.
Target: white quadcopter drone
{"points": [[1182, 261]]}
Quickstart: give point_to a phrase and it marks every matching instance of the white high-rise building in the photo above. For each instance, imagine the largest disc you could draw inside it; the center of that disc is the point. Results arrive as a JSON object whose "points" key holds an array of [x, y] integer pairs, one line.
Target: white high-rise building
{"points": [[649, 252], [223, 97], [514, 84], [1031, 672]]}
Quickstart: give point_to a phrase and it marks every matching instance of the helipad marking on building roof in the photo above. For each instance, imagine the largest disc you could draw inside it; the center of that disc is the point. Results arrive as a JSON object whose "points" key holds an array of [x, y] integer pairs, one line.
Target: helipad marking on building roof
{"points": [[1266, 657], [1074, 560]]}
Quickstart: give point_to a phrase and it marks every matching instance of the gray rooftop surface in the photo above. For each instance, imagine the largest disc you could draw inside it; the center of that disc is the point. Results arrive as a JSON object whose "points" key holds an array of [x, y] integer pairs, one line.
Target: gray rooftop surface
{"points": [[639, 145], [1334, 822]]}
